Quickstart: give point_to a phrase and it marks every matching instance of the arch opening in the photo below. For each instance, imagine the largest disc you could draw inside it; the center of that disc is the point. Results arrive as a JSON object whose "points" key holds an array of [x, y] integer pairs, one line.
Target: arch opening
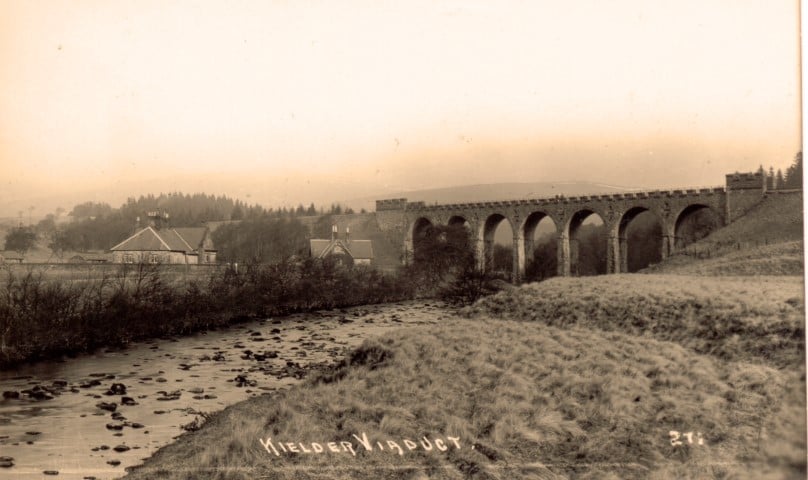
{"points": [[694, 223], [587, 237], [640, 237], [498, 246], [541, 247], [458, 220], [419, 236]]}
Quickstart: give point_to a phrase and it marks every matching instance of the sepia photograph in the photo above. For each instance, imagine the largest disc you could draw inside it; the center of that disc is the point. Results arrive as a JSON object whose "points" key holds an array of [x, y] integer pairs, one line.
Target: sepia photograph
{"points": [[403, 240]]}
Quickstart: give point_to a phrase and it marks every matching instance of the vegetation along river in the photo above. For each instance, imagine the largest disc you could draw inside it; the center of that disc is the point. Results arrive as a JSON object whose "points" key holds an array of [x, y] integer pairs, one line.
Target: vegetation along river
{"points": [[92, 416]]}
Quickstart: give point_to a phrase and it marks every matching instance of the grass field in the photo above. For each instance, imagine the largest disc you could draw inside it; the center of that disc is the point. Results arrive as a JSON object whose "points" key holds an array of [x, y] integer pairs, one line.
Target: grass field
{"points": [[70, 272], [589, 384]]}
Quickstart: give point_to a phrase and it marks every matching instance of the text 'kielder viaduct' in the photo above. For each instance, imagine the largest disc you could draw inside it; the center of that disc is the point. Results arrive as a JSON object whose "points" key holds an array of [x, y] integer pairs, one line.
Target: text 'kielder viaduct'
{"points": [[741, 192]]}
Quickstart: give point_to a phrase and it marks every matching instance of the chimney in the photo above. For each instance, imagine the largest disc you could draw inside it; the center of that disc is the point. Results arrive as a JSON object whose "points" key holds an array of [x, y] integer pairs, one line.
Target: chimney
{"points": [[334, 232], [347, 233]]}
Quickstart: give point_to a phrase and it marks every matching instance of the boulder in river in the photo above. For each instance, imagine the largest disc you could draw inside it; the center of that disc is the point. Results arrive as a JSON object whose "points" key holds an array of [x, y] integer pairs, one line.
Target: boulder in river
{"points": [[110, 407], [117, 389]]}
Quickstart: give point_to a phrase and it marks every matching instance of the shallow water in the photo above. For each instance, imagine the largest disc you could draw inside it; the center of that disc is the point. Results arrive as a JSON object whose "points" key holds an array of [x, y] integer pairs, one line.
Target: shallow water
{"points": [[170, 381]]}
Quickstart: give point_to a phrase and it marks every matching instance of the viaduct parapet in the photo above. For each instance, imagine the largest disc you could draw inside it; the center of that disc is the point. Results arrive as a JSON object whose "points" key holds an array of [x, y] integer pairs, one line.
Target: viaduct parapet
{"points": [[741, 192]]}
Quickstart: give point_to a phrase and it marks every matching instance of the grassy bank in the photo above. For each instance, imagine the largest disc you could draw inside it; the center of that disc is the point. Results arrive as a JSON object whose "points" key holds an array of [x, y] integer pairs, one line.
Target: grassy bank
{"points": [[752, 319], [784, 258], [509, 400]]}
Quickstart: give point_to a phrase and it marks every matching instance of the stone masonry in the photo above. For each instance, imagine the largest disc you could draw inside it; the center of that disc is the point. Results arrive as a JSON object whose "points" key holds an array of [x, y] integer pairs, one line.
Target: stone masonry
{"points": [[741, 192]]}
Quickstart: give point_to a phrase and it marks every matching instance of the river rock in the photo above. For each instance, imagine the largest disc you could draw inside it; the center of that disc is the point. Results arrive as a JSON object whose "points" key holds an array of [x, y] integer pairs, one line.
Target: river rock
{"points": [[11, 394], [121, 448], [114, 463], [129, 401], [51, 472], [38, 393], [110, 407], [6, 462], [117, 389], [175, 395]]}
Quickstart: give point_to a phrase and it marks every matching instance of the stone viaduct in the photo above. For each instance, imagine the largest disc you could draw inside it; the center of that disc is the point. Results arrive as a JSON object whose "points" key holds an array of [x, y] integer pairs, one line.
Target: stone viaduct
{"points": [[741, 192]]}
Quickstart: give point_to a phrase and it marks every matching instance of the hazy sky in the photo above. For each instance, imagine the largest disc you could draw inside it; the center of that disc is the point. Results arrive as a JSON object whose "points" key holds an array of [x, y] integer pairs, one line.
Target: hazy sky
{"points": [[290, 101]]}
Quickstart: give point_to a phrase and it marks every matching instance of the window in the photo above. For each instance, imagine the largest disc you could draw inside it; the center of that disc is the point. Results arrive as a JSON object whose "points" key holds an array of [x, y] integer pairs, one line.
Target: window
{"points": [[154, 258], [128, 258]]}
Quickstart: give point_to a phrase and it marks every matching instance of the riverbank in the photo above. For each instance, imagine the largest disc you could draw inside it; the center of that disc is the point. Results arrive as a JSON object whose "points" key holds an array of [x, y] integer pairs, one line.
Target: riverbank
{"points": [[557, 397], [44, 318], [140, 398]]}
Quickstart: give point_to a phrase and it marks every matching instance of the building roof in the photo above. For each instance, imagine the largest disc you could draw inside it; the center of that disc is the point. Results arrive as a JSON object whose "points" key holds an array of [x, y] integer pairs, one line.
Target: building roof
{"points": [[357, 249], [194, 236], [169, 239]]}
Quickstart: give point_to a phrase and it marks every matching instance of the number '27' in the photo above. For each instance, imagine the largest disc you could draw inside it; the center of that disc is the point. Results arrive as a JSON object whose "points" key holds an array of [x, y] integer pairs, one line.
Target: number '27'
{"points": [[677, 436]]}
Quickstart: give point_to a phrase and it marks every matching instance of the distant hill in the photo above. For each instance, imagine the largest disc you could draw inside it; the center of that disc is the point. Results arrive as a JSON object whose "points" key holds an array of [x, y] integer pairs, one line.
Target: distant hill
{"points": [[490, 192]]}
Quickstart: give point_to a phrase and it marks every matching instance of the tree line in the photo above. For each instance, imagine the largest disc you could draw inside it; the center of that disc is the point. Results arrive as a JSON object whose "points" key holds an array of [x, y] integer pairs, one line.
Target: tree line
{"points": [[97, 226], [791, 179]]}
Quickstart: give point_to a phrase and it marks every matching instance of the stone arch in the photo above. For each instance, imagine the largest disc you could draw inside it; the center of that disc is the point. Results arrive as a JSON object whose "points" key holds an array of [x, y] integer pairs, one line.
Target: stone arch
{"points": [[619, 243], [687, 213], [458, 220], [416, 231], [485, 246], [528, 232], [568, 251]]}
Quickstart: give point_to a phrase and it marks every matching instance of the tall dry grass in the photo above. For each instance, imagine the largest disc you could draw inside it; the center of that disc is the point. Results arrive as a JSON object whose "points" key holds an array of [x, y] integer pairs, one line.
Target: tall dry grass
{"points": [[751, 319], [525, 400], [784, 258]]}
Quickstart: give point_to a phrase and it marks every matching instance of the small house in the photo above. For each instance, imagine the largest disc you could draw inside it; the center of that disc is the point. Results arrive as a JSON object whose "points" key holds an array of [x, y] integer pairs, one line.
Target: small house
{"points": [[189, 246], [346, 251]]}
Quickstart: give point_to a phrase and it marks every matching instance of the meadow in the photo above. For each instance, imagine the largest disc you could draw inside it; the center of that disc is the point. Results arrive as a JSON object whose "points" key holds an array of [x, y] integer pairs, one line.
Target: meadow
{"points": [[618, 377]]}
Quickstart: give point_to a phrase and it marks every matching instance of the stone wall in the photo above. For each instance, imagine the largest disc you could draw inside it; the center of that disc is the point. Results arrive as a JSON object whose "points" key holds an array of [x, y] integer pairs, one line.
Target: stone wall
{"points": [[744, 191]]}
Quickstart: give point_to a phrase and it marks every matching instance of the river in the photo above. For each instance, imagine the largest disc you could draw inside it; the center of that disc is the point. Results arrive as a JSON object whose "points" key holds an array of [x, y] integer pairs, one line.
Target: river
{"points": [[113, 409]]}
